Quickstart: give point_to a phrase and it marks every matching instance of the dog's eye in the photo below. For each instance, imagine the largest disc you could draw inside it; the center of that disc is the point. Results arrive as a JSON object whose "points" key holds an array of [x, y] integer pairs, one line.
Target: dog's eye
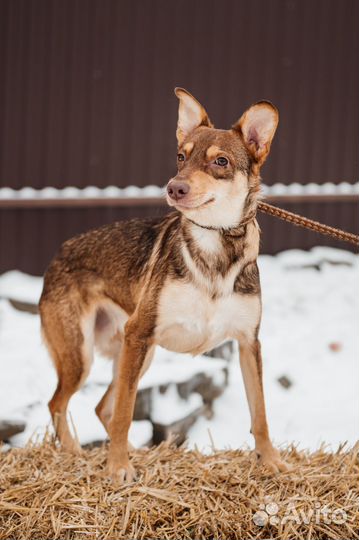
{"points": [[180, 157], [221, 161]]}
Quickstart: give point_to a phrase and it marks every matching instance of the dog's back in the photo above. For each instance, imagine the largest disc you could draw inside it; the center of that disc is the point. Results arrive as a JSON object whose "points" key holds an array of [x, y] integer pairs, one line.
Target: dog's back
{"points": [[114, 255]]}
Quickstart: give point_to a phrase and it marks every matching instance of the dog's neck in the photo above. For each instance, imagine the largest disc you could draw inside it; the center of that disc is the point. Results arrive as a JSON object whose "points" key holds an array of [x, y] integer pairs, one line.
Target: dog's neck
{"points": [[236, 230], [248, 214], [212, 254]]}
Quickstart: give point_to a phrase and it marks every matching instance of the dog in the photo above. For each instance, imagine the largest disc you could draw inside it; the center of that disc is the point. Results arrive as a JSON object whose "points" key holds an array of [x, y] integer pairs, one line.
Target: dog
{"points": [[187, 281]]}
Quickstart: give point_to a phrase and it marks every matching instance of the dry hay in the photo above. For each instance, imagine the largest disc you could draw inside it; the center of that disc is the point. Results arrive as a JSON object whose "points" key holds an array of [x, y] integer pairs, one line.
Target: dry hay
{"points": [[45, 493]]}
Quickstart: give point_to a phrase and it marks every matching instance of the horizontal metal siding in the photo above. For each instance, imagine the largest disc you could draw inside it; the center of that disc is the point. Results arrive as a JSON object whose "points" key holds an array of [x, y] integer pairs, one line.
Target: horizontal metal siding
{"points": [[30, 237], [86, 89], [278, 235]]}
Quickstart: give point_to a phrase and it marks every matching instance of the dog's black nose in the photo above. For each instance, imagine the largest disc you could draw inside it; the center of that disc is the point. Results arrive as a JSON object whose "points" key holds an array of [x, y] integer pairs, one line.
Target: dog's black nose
{"points": [[177, 190]]}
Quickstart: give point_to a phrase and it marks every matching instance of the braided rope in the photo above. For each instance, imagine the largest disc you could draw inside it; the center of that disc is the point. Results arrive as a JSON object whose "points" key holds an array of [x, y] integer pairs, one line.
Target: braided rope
{"points": [[301, 221]]}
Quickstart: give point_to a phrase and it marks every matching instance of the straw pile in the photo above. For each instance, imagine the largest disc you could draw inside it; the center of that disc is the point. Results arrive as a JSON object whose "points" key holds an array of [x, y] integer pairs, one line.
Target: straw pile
{"points": [[180, 494]]}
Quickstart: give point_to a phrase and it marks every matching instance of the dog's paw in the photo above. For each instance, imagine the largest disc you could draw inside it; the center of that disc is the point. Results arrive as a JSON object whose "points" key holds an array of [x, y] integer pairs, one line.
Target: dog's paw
{"points": [[71, 446], [271, 458], [122, 474]]}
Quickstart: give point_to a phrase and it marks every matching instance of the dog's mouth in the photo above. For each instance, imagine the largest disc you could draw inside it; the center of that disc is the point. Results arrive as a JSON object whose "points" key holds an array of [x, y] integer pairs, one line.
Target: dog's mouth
{"points": [[190, 205]]}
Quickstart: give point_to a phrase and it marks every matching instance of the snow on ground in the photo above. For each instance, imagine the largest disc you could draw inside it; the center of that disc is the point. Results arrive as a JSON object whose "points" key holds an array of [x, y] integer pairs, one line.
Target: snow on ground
{"points": [[309, 333], [20, 286]]}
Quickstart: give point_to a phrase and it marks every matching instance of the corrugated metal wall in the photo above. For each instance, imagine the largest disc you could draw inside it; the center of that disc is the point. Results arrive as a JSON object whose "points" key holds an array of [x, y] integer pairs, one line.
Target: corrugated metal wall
{"points": [[86, 94], [87, 85]]}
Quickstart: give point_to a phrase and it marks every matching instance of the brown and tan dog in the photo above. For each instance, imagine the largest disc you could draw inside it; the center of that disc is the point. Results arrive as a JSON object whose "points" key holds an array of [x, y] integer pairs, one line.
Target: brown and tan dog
{"points": [[187, 282]]}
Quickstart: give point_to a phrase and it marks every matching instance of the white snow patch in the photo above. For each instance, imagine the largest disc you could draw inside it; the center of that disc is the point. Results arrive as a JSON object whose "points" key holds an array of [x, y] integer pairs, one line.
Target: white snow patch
{"points": [[19, 286], [296, 257], [170, 407], [177, 368]]}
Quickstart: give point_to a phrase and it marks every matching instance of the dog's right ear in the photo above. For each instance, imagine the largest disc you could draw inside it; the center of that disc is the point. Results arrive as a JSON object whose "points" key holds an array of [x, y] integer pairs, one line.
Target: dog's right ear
{"points": [[257, 127], [191, 114]]}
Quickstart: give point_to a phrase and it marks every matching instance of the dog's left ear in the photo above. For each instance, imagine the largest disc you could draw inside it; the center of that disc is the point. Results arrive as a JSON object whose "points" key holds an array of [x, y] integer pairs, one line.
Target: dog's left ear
{"points": [[191, 114], [257, 127]]}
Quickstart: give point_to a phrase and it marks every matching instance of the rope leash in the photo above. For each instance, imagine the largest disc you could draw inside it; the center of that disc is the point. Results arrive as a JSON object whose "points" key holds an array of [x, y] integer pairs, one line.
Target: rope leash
{"points": [[306, 223]]}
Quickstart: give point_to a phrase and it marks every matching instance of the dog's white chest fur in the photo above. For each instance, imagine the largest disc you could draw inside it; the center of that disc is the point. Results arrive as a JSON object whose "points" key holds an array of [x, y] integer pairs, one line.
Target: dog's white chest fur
{"points": [[189, 321]]}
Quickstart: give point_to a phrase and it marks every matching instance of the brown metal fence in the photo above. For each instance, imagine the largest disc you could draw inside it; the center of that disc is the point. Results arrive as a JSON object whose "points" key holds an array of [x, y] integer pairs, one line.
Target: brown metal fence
{"points": [[86, 98]]}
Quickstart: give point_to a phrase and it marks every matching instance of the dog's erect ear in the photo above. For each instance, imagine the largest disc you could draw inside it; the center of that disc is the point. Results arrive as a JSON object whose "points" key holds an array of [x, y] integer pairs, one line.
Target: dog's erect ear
{"points": [[191, 114], [257, 127]]}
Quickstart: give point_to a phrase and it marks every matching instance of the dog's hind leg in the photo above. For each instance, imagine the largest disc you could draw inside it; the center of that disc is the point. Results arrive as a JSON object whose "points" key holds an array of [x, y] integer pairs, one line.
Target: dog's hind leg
{"points": [[109, 324], [104, 409], [71, 351]]}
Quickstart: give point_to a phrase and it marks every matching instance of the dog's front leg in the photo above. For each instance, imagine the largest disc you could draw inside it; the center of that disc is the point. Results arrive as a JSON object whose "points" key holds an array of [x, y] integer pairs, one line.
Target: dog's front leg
{"points": [[135, 348], [251, 365]]}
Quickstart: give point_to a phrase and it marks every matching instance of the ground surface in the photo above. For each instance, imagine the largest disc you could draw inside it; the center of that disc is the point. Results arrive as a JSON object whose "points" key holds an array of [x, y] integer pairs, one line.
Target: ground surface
{"points": [[179, 494], [309, 334]]}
